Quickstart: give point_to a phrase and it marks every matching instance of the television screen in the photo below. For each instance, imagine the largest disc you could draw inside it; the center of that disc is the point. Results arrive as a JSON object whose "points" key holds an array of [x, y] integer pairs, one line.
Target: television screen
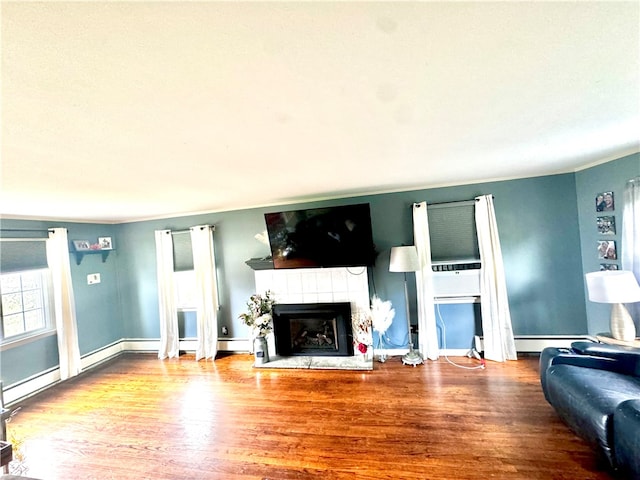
{"points": [[321, 237]]}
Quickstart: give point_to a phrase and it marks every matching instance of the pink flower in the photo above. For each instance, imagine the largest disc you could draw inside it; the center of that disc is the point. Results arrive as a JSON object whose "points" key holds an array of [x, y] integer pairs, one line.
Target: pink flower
{"points": [[362, 348]]}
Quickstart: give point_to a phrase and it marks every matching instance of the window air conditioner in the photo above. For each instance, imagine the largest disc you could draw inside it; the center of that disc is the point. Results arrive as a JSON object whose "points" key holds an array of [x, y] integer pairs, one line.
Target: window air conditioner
{"points": [[456, 278]]}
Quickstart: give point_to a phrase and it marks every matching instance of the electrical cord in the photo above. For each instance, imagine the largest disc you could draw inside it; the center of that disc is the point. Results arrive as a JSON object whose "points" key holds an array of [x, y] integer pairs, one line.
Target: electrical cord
{"points": [[474, 353]]}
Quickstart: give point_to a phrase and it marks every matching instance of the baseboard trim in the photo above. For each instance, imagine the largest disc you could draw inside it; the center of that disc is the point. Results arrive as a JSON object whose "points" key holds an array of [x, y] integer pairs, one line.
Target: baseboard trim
{"points": [[537, 343], [36, 383], [235, 345], [30, 386]]}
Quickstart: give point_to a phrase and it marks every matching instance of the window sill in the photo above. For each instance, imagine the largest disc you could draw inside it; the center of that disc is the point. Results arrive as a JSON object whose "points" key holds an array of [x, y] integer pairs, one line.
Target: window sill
{"points": [[8, 344]]}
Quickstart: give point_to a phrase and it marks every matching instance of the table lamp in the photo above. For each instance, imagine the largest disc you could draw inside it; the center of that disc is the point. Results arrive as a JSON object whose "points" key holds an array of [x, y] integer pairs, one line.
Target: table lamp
{"points": [[616, 287], [405, 259]]}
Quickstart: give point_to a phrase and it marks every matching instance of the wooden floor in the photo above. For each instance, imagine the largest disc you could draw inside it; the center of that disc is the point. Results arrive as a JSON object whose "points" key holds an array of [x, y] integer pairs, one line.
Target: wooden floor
{"points": [[141, 418]]}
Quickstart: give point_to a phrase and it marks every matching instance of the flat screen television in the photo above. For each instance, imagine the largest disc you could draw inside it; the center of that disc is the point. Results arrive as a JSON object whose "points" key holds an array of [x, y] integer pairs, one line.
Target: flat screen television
{"points": [[321, 237]]}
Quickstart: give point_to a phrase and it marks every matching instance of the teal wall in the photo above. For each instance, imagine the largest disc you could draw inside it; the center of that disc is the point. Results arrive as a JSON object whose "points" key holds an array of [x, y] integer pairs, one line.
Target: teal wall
{"points": [[542, 229], [608, 177], [98, 307], [538, 223]]}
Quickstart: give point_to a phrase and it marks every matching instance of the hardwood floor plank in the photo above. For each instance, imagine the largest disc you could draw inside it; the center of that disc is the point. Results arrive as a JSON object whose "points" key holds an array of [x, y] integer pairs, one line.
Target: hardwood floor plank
{"points": [[139, 417]]}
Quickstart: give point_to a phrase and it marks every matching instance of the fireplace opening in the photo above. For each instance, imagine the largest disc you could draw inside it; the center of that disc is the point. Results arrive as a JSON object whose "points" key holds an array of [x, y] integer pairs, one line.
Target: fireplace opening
{"points": [[310, 329]]}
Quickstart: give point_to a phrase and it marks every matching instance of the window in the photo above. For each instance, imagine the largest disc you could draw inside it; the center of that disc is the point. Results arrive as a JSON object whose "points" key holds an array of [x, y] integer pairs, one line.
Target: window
{"points": [[185, 290], [184, 275], [25, 304]]}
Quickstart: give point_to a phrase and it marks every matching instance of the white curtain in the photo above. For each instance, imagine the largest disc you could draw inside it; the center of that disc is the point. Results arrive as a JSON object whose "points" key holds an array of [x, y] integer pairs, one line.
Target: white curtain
{"points": [[64, 303], [499, 344], [427, 331], [169, 341], [206, 291], [631, 235]]}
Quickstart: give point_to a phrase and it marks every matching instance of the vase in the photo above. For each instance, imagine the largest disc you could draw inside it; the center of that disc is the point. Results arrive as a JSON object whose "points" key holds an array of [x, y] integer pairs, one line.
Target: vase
{"points": [[382, 355], [260, 350]]}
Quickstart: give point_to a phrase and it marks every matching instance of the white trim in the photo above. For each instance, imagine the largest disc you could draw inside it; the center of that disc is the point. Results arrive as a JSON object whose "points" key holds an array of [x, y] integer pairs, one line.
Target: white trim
{"points": [[28, 338], [30, 387], [537, 343], [234, 345], [102, 355], [48, 378], [140, 345]]}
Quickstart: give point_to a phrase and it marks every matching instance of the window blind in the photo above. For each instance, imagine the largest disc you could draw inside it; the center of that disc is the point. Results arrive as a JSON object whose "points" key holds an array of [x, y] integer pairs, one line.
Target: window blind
{"points": [[22, 254], [452, 231], [182, 252]]}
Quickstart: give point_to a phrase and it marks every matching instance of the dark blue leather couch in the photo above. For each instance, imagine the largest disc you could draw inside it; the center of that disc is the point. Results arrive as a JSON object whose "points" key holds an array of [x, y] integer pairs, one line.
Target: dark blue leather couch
{"points": [[595, 389]]}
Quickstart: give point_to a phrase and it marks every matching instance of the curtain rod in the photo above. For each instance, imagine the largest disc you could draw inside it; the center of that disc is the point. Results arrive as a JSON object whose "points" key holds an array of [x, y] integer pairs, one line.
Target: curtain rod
{"points": [[180, 232], [25, 230], [445, 204], [11, 234]]}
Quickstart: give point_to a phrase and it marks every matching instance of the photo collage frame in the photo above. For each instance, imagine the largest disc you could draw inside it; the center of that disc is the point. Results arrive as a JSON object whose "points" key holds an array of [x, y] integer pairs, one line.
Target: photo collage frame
{"points": [[607, 247]]}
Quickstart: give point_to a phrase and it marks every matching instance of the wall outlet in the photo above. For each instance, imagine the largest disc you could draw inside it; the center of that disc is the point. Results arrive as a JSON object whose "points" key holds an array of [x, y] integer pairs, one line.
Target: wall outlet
{"points": [[93, 278]]}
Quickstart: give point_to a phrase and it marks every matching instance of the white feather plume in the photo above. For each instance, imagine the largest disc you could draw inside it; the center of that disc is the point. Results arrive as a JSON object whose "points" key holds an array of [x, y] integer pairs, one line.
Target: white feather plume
{"points": [[381, 314]]}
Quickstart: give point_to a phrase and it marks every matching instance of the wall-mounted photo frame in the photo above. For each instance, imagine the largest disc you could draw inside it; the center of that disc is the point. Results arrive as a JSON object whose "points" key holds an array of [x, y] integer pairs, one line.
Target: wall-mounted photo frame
{"points": [[606, 225], [105, 243], [607, 250], [81, 245], [605, 202], [608, 266]]}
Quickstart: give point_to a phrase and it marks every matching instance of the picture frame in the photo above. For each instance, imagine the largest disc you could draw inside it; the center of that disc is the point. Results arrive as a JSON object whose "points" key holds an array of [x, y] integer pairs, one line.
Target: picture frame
{"points": [[608, 266], [605, 202], [606, 225], [607, 250], [105, 243], [82, 245]]}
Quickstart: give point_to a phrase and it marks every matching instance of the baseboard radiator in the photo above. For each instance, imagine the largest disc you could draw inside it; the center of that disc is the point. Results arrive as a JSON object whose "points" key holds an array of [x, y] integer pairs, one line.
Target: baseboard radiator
{"points": [[537, 343]]}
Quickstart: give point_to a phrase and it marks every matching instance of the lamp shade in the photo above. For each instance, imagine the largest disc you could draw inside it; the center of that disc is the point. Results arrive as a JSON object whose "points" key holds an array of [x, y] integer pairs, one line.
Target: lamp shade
{"points": [[613, 286], [404, 259]]}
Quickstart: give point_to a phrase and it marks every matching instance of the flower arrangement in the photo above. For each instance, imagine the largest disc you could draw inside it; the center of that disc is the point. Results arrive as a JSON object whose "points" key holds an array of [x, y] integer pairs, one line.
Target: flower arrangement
{"points": [[259, 315], [361, 323], [377, 317]]}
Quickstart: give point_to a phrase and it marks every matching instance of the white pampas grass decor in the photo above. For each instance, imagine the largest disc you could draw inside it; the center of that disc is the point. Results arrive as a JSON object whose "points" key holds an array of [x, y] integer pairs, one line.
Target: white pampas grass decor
{"points": [[381, 314]]}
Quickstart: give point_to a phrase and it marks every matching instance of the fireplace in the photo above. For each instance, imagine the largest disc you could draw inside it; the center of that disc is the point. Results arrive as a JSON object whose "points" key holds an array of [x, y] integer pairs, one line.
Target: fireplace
{"points": [[313, 329]]}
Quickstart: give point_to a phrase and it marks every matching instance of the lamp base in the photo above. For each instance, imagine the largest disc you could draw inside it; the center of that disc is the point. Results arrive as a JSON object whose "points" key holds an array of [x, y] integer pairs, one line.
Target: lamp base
{"points": [[622, 326], [412, 358]]}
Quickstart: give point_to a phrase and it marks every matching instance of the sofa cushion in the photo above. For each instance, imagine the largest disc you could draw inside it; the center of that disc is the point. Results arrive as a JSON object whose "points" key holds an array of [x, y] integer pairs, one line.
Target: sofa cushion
{"points": [[585, 399], [626, 437]]}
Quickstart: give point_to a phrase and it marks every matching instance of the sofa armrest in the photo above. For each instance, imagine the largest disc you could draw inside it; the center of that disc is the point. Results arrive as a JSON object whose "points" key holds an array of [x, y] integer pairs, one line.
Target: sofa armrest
{"points": [[556, 356], [628, 357]]}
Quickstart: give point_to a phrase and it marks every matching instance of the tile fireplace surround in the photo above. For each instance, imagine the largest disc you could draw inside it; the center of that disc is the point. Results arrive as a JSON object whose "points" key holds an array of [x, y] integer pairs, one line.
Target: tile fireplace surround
{"points": [[319, 285]]}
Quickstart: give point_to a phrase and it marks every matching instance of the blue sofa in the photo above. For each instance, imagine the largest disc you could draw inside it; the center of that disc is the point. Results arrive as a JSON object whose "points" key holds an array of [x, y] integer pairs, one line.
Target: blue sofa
{"points": [[595, 390]]}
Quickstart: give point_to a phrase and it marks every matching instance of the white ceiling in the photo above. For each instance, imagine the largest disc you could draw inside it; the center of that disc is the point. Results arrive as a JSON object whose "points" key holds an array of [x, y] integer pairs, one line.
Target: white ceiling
{"points": [[119, 111]]}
